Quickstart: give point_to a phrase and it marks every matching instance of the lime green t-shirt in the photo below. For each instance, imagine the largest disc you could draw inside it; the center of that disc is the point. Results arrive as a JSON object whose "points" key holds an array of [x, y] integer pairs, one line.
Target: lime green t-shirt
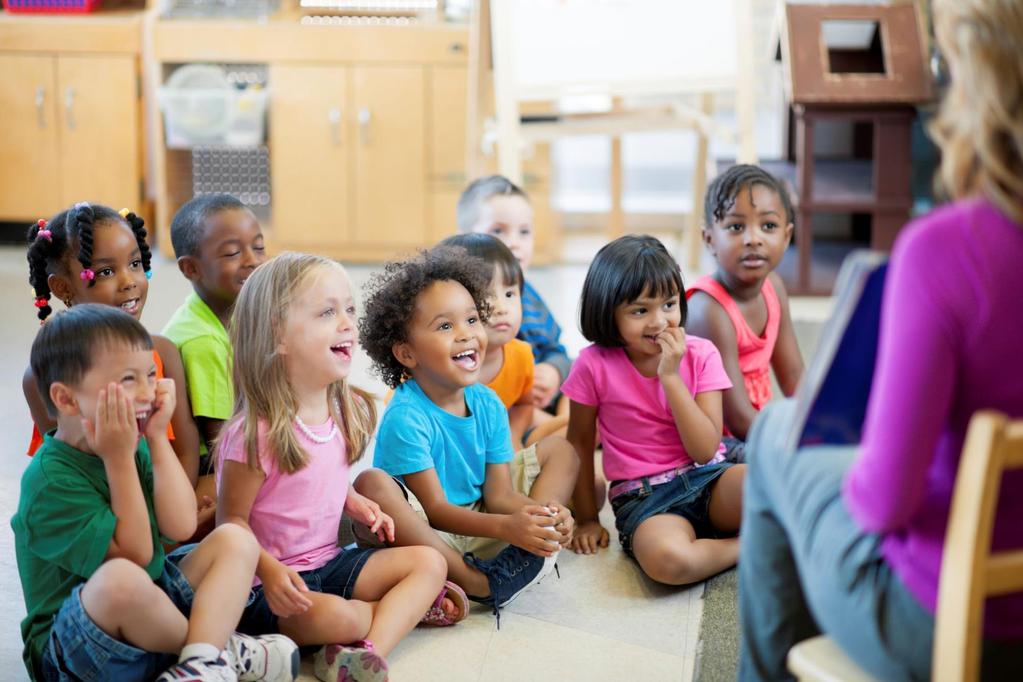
{"points": [[206, 354], [62, 529]]}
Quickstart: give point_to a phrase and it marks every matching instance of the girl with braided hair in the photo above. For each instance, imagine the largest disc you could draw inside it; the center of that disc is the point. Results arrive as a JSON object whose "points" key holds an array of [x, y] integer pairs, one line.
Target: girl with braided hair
{"points": [[743, 307], [93, 254]]}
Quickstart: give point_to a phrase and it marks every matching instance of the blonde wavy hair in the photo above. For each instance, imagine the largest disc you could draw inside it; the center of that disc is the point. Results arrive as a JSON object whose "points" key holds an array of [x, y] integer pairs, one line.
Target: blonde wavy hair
{"points": [[980, 125], [262, 390]]}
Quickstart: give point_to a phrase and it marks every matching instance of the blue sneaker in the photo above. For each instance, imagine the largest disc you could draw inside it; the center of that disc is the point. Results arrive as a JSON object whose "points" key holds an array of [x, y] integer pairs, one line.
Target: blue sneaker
{"points": [[509, 574]]}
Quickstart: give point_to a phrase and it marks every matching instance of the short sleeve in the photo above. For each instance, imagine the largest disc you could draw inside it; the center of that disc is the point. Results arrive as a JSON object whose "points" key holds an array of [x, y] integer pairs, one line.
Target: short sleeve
{"points": [[499, 443], [232, 444], [580, 385], [403, 442], [710, 371], [208, 369], [75, 533], [530, 367]]}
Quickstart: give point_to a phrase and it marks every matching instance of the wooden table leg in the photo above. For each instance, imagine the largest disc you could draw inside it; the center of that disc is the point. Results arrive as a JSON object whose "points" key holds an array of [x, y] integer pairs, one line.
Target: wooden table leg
{"points": [[804, 222]]}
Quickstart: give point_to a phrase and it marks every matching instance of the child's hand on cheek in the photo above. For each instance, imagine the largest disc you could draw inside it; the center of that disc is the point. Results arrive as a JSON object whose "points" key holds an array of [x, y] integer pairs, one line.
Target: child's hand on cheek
{"points": [[114, 435], [162, 409], [673, 346]]}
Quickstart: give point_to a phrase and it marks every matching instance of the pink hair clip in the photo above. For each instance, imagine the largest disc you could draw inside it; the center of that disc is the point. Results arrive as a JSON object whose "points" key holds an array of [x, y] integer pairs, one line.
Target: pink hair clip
{"points": [[87, 275], [42, 302], [43, 232]]}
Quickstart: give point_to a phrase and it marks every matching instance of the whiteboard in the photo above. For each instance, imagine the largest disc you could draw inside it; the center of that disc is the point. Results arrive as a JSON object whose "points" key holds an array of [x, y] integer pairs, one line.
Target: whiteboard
{"points": [[619, 47]]}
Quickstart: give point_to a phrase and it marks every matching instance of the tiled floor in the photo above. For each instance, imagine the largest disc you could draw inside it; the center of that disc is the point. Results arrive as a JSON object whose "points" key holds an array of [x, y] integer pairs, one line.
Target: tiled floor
{"points": [[602, 620]]}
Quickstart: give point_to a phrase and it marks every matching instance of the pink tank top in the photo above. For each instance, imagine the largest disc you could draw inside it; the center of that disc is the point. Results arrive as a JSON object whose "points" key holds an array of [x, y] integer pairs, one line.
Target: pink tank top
{"points": [[754, 351]]}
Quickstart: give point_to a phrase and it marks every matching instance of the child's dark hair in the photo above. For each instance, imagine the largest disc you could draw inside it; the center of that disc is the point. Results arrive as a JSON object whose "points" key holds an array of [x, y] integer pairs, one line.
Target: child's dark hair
{"points": [[467, 213], [621, 272], [51, 243], [65, 347], [724, 188], [493, 252], [190, 221], [391, 301]]}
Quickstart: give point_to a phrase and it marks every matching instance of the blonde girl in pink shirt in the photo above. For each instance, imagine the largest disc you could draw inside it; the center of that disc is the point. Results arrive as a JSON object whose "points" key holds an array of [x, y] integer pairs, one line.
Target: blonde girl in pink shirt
{"points": [[283, 471], [654, 395]]}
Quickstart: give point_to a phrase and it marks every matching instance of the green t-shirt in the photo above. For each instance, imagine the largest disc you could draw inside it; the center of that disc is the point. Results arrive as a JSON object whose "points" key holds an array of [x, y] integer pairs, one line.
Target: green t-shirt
{"points": [[62, 529], [206, 353]]}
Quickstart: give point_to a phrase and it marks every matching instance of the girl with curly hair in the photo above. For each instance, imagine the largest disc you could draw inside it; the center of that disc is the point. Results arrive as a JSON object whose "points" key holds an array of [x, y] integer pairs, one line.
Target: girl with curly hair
{"points": [[498, 517]]}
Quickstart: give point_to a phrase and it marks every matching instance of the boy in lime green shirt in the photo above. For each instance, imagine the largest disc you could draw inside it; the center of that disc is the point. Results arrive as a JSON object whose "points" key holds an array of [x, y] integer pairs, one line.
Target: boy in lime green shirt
{"points": [[218, 243]]}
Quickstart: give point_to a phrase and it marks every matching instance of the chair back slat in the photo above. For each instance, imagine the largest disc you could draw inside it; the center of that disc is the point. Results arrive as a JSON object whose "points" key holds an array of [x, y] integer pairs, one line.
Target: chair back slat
{"points": [[969, 572]]}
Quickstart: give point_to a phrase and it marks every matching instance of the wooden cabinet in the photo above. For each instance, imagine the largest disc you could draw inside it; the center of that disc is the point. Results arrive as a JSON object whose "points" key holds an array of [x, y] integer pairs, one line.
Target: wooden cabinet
{"points": [[347, 156], [366, 132], [390, 158], [310, 152], [71, 119], [28, 141]]}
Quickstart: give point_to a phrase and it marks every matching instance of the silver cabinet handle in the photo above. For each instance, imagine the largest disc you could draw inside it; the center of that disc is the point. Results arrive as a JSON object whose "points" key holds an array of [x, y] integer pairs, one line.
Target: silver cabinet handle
{"points": [[334, 119], [69, 104], [41, 106], [365, 116]]}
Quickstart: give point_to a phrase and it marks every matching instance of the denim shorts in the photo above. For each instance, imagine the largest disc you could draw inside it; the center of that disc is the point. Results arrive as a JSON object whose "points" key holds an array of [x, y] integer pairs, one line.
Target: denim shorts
{"points": [[687, 496], [79, 650], [337, 576]]}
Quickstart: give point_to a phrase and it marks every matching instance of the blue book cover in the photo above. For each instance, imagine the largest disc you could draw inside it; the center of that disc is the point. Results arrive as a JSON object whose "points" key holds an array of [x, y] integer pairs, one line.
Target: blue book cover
{"points": [[832, 399]]}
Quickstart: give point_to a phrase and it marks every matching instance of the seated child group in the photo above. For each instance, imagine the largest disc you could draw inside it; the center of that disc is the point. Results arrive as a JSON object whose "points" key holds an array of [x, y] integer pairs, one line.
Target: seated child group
{"points": [[180, 516]]}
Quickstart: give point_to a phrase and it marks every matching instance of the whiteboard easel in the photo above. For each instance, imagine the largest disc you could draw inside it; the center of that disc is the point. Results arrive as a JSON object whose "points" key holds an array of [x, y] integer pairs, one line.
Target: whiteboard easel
{"points": [[685, 51]]}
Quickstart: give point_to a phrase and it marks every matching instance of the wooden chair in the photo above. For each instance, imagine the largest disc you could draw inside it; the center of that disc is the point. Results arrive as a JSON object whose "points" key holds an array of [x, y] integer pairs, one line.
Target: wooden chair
{"points": [[970, 572]]}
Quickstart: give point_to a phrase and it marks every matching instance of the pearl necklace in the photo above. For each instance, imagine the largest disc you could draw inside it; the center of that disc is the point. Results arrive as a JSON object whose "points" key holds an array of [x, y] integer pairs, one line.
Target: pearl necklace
{"points": [[312, 436]]}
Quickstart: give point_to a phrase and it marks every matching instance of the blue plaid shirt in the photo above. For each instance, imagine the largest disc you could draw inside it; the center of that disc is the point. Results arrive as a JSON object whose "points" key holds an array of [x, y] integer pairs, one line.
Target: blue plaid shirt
{"points": [[541, 331]]}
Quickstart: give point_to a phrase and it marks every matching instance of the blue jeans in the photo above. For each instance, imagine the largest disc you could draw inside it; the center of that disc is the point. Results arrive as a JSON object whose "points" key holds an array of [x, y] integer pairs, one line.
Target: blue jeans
{"points": [[79, 650], [806, 567], [338, 576], [687, 496]]}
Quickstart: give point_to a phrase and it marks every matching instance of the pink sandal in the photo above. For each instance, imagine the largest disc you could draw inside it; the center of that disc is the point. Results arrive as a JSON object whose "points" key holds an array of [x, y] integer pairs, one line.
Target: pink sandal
{"points": [[435, 615]]}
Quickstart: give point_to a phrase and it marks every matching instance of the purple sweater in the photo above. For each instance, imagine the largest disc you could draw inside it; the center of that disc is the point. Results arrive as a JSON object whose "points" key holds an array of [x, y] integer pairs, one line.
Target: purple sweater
{"points": [[951, 338]]}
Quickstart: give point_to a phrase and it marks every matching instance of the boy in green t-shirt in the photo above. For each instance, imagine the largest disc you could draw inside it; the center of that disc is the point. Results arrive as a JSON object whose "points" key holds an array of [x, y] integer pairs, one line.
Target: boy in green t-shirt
{"points": [[96, 504], [218, 243]]}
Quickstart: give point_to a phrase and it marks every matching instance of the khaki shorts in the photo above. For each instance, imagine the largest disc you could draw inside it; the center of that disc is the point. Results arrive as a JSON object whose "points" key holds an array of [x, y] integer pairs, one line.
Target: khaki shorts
{"points": [[525, 468]]}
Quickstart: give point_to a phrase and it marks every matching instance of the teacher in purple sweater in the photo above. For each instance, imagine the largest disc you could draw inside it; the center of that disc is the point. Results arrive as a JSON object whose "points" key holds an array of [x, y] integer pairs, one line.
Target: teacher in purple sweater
{"points": [[848, 540]]}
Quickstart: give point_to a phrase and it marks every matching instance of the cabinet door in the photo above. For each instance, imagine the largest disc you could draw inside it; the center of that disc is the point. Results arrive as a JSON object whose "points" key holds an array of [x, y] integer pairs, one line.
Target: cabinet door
{"points": [[99, 129], [390, 159], [309, 146], [29, 185], [448, 86]]}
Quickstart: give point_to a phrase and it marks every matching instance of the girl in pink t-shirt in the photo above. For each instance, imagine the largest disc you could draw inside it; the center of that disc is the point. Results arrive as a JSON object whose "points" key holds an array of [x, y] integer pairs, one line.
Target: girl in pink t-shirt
{"points": [[654, 395], [743, 307], [283, 465]]}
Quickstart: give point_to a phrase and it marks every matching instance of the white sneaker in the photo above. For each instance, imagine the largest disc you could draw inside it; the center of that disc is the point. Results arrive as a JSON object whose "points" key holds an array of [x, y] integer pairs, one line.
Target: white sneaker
{"points": [[273, 658], [200, 670]]}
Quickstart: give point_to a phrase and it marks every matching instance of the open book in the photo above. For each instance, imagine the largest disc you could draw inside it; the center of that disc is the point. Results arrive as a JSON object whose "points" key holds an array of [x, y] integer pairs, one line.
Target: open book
{"points": [[831, 402]]}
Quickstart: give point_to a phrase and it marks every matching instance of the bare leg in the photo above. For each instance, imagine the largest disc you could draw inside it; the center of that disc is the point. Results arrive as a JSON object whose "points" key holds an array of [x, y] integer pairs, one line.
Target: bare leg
{"points": [[126, 604], [404, 581], [329, 620], [559, 468], [726, 499], [667, 550], [220, 572], [411, 530]]}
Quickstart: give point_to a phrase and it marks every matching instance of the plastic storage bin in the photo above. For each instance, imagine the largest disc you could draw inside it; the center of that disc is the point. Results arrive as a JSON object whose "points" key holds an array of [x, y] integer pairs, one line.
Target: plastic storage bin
{"points": [[201, 108], [50, 6]]}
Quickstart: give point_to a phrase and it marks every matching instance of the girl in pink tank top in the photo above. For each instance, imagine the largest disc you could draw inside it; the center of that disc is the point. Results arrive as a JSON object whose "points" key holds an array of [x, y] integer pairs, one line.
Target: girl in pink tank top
{"points": [[743, 307]]}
